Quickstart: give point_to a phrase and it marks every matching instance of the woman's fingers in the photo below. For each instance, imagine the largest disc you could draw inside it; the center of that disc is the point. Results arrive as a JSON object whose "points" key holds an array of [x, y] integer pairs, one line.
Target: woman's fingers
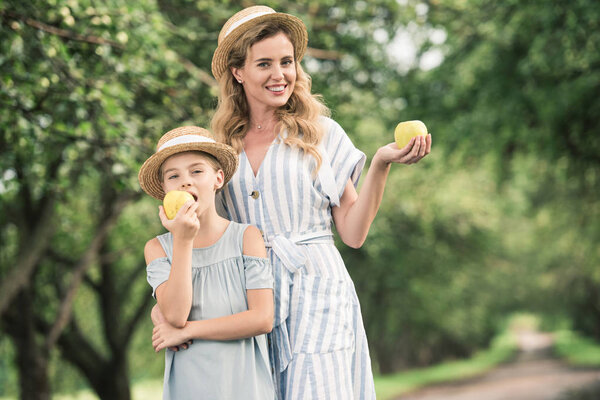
{"points": [[429, 141], [416, 148]]}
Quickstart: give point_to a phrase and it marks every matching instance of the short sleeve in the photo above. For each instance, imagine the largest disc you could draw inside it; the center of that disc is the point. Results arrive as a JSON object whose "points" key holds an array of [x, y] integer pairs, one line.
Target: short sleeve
{"points": [[157, 272], [258, 272], [346, 161]]}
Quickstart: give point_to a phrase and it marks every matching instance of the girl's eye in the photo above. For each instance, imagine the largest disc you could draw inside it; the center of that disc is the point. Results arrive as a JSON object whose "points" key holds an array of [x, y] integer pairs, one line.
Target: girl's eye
{"points": [[263, 64], [287, 62], [197, 171], [172, 176]]}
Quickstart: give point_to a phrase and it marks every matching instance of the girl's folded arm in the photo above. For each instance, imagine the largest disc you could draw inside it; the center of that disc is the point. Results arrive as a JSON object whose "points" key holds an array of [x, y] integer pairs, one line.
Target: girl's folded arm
{"points": [[259, 317], [256, 321], [174, 296]]}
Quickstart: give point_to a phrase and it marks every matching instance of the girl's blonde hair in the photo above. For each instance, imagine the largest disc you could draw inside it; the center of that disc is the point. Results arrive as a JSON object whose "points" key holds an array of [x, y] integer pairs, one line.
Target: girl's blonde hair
{"points": [[300, 115]]}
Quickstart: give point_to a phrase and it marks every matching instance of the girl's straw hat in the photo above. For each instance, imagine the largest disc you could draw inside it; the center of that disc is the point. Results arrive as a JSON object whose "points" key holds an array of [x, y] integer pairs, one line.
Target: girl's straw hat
{"points": [[178, 140], [249, 17]]}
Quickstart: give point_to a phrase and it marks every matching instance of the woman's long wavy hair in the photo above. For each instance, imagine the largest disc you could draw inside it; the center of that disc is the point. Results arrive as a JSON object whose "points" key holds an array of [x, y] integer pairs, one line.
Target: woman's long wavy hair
{"points": [[300, 115]]}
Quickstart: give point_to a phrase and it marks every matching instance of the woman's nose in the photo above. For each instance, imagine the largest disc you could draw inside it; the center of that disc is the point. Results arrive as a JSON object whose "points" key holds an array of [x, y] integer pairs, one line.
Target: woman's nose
{"points": [[277, 73]]}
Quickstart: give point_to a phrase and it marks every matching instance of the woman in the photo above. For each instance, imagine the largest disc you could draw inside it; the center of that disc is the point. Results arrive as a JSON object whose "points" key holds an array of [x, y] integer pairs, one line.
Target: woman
{"points": [[298, 172]]}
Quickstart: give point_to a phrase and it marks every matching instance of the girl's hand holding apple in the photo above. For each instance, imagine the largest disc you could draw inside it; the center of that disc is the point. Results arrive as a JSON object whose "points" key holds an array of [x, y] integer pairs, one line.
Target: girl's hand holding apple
{"points": [[185, 225]]}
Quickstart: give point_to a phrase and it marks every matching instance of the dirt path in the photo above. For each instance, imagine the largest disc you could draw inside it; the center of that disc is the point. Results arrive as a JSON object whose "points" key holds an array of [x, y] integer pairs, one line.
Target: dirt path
{"points": [[534, 375]]}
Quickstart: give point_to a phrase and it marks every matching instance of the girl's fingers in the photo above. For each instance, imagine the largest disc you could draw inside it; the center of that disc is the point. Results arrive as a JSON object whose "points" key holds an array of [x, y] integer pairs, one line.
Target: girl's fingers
{"points": [[162, 215], [191, 211]]}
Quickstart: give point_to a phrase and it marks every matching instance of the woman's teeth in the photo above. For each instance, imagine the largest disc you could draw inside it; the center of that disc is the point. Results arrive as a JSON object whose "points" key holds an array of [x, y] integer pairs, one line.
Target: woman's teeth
{"points": [[276, 88]]}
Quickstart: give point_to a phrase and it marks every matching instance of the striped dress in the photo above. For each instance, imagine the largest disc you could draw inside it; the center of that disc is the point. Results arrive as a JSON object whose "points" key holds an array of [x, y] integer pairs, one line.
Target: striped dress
{"points": [[318, 344]]}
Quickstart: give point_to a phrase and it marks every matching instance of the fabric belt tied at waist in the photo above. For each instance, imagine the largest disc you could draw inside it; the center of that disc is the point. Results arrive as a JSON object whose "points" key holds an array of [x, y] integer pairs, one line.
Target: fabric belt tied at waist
{"points": [[287, 273]]}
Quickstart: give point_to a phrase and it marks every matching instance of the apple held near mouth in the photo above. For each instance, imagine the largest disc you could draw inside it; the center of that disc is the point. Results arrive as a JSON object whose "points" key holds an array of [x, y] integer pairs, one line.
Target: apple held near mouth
{"points": [[407, 130], [174, 200]]}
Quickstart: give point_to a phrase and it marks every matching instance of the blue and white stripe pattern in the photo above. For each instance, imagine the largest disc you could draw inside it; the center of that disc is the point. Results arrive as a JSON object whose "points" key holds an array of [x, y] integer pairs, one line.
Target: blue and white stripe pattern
{"points": [[318, 344]]}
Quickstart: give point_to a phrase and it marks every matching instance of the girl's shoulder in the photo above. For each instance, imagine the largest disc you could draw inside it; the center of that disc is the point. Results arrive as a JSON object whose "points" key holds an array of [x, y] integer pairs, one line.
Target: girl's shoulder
{"points": [[253, 243], [248, 238], [153, 250]]}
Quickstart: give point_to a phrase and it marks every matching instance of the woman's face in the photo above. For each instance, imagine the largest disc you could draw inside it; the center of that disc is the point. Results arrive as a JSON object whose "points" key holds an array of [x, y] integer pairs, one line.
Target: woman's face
{"points": [[269, 74]]}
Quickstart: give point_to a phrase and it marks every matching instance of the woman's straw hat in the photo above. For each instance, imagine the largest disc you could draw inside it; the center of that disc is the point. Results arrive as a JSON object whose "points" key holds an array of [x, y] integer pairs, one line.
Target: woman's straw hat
{"points": [[247, 18], [179, 140]]}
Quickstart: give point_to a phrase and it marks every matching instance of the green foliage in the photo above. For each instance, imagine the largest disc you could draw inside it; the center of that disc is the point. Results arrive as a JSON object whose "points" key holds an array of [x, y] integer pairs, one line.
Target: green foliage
{"points": [[502, 216], [525, 94], [577, 350]]}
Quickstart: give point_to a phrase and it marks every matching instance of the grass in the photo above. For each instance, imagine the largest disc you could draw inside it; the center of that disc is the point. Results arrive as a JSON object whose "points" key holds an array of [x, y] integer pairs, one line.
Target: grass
{"points": [[576, 350], [503, 347]]}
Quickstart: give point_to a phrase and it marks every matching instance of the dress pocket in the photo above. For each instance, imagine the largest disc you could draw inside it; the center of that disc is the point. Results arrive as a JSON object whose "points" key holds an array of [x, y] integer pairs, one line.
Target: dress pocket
{"points": [[321, 315]]}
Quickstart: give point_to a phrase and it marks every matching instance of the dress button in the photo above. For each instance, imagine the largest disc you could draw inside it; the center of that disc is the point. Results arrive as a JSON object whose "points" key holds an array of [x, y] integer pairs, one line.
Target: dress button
{"points": [[254, 194]]}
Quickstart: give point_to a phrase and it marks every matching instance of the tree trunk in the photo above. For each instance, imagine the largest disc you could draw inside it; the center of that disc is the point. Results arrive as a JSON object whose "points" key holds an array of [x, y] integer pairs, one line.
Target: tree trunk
{"points": [[114, 383], [107, 376], [31, 358]]}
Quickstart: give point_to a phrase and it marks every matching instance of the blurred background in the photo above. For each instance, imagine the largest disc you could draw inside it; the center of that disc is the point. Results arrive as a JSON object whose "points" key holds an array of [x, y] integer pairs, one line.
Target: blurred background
{"points": [[500, 223]]}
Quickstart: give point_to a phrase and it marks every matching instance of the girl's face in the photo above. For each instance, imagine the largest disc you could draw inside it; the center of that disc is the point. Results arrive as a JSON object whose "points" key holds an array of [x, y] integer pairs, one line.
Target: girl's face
{"points": [[269, 74], [192, 172]]}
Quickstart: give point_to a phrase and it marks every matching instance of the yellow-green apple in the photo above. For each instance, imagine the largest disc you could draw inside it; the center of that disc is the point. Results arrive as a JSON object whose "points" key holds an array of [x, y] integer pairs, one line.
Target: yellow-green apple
{"points": [[174, 200], [407, 130]]}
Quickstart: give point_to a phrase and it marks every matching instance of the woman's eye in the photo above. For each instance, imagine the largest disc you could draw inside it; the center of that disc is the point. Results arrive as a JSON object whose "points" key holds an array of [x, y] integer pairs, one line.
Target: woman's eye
{"points": [[263, 64], [197, 171]]}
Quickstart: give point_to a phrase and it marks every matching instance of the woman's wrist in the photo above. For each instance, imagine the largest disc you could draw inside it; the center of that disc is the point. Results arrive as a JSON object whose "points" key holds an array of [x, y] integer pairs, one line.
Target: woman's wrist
{"points": [[379, 160]]}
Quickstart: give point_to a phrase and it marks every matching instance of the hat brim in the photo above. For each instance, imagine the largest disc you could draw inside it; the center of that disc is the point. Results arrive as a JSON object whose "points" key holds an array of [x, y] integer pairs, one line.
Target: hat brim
{"points": [[293, 24], [151, 182]]}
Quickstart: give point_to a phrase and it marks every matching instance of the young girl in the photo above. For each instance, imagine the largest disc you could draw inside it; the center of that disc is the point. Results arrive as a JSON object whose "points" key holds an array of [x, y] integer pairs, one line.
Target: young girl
{"points": [[210, 276]]}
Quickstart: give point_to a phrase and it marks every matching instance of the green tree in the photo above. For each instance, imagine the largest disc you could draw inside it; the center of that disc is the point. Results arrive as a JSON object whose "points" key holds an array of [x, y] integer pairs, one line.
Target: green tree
{"points": [[85, 91], [521, 84]]}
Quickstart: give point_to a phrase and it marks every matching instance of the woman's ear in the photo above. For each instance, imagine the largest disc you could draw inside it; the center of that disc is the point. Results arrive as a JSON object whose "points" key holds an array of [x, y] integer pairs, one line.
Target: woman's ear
{"points": [[220, 179], [237, 75]]}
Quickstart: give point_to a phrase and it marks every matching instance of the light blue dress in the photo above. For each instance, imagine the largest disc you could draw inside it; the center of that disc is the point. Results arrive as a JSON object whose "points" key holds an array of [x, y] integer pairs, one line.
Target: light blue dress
{"points": [[221, 274], [318, 345]]}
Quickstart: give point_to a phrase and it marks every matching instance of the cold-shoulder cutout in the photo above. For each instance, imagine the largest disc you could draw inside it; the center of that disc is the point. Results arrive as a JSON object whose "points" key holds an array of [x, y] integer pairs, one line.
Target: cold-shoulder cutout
{"points": [[254, 244], [153, 250]]}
